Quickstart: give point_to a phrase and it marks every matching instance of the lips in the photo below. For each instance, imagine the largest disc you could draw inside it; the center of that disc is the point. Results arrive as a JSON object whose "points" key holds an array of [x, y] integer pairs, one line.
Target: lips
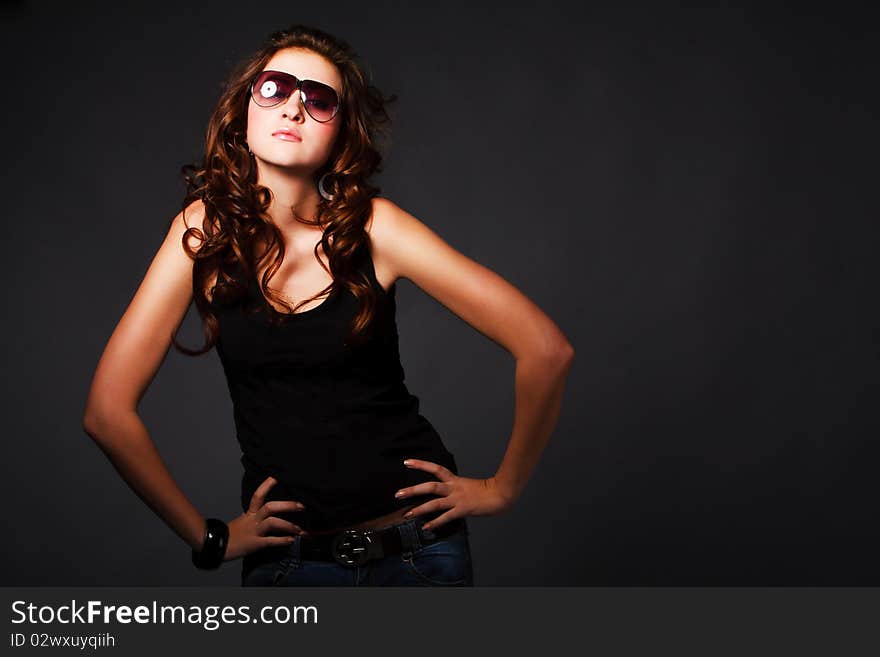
{"points": [[287, 135]]}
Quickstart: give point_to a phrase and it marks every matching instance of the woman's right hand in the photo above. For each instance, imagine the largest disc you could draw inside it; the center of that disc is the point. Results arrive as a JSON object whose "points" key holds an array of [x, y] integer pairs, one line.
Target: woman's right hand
{"points": [[247, 533]]}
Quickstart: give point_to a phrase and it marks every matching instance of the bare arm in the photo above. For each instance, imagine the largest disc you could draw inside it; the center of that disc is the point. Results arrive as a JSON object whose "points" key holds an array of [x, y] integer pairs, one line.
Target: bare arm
{"points": [[132, 357], [486, 301]]}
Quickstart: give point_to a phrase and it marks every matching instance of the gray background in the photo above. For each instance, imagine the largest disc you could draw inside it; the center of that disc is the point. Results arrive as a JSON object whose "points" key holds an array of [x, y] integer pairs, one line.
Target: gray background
{"points": [[684, 191]]}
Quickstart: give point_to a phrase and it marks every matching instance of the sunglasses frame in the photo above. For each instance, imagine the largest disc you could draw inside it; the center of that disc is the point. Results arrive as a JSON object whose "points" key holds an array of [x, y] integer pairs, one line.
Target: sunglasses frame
{"points": [[298, 88]]}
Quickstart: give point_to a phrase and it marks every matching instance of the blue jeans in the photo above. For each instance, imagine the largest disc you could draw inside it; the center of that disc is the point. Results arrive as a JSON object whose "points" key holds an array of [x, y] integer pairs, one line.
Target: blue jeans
{"points": [[445, 562]]}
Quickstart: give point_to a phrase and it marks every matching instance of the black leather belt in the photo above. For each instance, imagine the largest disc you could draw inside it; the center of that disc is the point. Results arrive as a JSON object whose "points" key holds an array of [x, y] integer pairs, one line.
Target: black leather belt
{"points": [[355, 547]]}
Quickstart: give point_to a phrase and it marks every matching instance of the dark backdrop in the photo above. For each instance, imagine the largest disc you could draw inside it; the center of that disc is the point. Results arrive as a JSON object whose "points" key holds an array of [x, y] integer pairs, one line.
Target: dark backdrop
{"points": [[688, 193]]}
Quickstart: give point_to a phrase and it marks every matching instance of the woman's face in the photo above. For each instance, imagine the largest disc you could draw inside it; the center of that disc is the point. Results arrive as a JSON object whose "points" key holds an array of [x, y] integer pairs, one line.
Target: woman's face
{"points": [[317, 139]]}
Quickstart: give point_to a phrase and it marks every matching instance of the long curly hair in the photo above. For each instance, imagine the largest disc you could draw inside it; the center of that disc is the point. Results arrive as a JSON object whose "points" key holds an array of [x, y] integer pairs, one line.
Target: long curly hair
{"points": [[235, 206]]}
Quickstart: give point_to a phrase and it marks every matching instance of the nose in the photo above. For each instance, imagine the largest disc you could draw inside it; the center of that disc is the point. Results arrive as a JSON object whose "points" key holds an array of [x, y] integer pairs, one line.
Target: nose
{"points": [[293, 107]]}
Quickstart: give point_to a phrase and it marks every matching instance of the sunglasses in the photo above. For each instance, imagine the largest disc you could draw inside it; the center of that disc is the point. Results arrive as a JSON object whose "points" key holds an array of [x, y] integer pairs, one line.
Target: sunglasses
{"points": [[271, 88]]}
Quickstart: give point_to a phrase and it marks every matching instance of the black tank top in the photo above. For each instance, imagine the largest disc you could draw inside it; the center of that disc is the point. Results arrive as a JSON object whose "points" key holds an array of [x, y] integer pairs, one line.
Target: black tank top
{"points": [[331, 422]]}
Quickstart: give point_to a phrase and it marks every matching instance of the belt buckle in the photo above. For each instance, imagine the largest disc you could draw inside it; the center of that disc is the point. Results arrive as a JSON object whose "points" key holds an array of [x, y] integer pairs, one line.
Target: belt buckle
{"points": [[351, 547]]}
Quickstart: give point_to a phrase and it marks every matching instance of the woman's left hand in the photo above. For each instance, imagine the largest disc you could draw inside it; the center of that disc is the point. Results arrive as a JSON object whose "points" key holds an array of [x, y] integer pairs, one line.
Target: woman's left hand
{"points": [[461, 496]]}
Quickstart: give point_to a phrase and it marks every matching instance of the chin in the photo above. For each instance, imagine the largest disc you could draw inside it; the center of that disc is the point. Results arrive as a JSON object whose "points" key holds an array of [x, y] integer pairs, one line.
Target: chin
{"points": [[285, 163]]}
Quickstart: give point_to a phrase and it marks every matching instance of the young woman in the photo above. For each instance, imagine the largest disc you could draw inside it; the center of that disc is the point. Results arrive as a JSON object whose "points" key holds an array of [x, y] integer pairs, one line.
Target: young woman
{"points": [[293, 272]]}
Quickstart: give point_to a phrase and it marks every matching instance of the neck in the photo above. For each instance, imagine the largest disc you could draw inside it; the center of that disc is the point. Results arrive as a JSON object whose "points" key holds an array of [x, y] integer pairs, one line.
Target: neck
{"points": [[293, 190]]}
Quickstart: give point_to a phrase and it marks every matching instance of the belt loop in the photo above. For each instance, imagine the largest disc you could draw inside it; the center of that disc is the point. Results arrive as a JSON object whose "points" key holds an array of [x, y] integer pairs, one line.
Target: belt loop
{"points": [[409, 536]]}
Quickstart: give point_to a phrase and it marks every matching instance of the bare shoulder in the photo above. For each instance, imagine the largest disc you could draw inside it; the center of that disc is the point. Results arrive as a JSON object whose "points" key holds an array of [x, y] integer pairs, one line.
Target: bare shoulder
{"points": [[192, 216], [381, 232], [409, 248], [398, 239], [391, 229]]}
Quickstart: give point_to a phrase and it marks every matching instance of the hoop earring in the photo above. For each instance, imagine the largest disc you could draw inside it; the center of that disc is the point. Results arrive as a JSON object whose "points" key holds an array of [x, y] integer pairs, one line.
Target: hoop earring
{"points": [[322, 189]]}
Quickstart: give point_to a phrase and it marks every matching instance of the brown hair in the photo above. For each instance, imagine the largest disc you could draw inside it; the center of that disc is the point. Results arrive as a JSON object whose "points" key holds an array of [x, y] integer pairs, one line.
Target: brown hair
{"points": [[235, 205]]}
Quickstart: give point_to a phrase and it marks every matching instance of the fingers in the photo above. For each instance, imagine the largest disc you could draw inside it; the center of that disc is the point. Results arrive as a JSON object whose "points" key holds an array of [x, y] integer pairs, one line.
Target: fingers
{"points": [[440, 520], [260, 494], [425, 488], [277, 506], [428, 507], [263, 509], [277, 523], [277, 540], [443, 474]]}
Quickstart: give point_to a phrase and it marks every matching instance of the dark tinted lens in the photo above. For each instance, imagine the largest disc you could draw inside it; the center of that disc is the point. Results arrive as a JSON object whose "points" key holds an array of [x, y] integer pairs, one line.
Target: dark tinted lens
{"points": [[321, 100], [273, 87]]}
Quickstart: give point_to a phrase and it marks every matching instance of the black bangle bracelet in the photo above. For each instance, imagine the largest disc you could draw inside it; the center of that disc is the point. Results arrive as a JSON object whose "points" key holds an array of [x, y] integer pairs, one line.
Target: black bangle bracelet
{"points": [[214, 547]]}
